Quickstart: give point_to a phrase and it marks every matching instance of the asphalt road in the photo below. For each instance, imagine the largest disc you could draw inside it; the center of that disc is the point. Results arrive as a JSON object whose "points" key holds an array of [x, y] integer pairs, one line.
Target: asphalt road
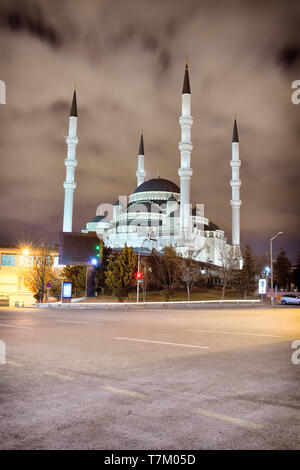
{"points": [[175, 379]]}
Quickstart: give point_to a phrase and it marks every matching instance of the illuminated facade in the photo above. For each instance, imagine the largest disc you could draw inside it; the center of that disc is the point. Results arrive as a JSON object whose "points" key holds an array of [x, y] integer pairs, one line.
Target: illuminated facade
{"points": [[14, 261], [159, 213]]}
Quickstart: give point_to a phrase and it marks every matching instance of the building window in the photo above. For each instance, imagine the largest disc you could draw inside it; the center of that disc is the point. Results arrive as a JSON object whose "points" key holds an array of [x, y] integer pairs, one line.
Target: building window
{"points": [[8, 260]]}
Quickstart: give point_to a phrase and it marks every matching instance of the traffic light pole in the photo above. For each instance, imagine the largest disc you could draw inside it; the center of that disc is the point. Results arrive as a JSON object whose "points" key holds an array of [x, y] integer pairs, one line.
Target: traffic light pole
{"points": [[139, 262], [138, 280], [90, 281]]}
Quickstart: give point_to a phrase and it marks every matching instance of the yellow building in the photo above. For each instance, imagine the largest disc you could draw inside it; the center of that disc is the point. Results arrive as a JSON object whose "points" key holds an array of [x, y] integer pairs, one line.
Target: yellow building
{"points": [[13, 263]]}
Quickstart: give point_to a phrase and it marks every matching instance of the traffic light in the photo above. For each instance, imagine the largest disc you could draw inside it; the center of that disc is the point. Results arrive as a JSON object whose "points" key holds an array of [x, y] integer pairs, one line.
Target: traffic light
{"points": [[96, 260], [138, 275], [97, 248]]}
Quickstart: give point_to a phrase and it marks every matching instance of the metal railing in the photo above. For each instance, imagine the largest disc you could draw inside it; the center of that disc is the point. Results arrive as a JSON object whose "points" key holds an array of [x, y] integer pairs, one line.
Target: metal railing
{"points": [[177, 303]]}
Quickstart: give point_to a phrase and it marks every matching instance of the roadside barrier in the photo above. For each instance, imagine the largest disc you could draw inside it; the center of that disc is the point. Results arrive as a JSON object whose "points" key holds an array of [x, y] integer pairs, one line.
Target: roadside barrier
{"points": [[140, 305]]}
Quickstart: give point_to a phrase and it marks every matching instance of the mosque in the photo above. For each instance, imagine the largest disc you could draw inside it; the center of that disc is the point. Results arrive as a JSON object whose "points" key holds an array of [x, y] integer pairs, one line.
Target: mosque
{"points": [[159, 212]]}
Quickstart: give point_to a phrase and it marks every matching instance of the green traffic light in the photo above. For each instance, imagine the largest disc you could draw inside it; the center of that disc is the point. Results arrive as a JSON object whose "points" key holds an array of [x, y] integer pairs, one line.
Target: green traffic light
{"points": [[97, 247]]}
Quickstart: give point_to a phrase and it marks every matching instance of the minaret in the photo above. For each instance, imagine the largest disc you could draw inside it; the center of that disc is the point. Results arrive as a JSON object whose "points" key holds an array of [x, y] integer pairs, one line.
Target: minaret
{"points": [[70, 163], [185, 148], [235, 184], [140, 171]]}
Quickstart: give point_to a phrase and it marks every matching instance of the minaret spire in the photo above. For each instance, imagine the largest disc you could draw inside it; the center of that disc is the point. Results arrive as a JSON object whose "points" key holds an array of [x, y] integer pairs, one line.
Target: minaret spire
{"points": [[235, 136], [141, 171], [141, 149], [73, 111], [186, 82], [70, 164], [185, 148], [235, 185]]}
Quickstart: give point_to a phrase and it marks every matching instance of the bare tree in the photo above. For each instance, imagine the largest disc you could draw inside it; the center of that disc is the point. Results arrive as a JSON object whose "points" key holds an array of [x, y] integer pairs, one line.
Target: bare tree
{"points": [[191, 270], [40, 273], [190, 274], [228, 265]]}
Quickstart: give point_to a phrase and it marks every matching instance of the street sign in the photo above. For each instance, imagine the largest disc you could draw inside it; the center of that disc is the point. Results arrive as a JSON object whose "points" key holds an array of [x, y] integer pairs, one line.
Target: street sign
{"points": [[66, 291], [48, 285], [262, 286]]}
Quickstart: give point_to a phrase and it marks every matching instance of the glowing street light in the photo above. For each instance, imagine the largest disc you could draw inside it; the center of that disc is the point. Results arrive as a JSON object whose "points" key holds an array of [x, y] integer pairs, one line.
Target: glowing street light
{"points": [[25, 252]]}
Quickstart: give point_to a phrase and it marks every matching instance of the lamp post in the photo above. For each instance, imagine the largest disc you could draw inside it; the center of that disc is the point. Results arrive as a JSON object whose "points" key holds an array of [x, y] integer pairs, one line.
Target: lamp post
{"points": [[271, 263]]}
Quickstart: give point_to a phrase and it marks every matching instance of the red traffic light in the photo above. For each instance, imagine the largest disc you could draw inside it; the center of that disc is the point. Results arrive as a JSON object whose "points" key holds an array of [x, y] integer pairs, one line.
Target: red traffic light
{"points": [[138, 275]]}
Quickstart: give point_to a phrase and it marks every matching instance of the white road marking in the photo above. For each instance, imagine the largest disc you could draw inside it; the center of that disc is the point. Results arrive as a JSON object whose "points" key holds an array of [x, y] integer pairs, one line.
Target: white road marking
{"points": [[124, 392], [162, 342], [56, 374], [235, 333], [230, 419], [13, 363], [83, 322], [15, 326]]}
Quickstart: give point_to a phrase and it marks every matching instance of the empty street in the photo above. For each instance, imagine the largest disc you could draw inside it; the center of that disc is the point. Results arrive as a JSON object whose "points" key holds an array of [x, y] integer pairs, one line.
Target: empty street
{"points": [[215, 378]]}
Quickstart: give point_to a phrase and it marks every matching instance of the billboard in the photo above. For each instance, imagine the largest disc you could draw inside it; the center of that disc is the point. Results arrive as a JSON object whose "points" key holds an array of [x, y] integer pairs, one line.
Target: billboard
{"points": [[80, 249]]}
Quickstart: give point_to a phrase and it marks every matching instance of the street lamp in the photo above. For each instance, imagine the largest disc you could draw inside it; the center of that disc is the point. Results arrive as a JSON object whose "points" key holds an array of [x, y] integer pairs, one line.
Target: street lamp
{"points": [[271, 262], [267, 270]]}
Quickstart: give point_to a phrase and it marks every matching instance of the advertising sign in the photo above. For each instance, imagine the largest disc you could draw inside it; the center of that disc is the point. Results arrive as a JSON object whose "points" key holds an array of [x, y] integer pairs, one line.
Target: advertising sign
{"points": [[66, 290], [262, 286]]}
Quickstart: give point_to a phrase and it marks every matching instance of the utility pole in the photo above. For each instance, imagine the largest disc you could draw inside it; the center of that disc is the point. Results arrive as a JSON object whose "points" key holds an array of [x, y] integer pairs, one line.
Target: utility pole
{"points": [[271, 263]]}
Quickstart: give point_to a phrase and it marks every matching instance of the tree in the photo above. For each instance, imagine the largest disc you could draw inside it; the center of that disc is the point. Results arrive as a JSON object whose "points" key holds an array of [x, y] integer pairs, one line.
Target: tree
{"points": [[190, 274], [165, 270], [228, 265], [296, 273], [282, 270], [120, 272], [247, 276], [40, 273], [76, 275], [55, 289], [101, 270], [190, 269]]}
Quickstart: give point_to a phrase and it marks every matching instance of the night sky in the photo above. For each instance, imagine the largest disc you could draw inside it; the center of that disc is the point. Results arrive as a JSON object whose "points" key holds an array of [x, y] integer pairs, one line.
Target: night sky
{"points": [[127, 58]]}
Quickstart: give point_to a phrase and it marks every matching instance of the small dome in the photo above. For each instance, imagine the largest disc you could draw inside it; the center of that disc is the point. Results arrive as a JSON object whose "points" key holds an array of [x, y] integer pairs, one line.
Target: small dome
{"points": [[158, 184], [211, 227], [98, 218]]}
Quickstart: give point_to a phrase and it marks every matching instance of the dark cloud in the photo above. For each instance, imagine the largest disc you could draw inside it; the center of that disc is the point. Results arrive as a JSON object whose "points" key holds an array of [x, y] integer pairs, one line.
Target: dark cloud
{"points": [[31, 21], [127, 58], [289, 55]]}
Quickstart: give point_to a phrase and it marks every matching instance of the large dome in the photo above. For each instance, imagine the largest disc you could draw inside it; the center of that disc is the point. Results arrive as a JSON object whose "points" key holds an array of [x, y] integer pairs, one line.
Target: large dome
{"points": [[158, 184]]}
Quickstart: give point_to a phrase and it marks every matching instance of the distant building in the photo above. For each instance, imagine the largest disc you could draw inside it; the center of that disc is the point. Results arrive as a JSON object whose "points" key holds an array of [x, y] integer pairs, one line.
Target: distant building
{"points": [[14, 261]]}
